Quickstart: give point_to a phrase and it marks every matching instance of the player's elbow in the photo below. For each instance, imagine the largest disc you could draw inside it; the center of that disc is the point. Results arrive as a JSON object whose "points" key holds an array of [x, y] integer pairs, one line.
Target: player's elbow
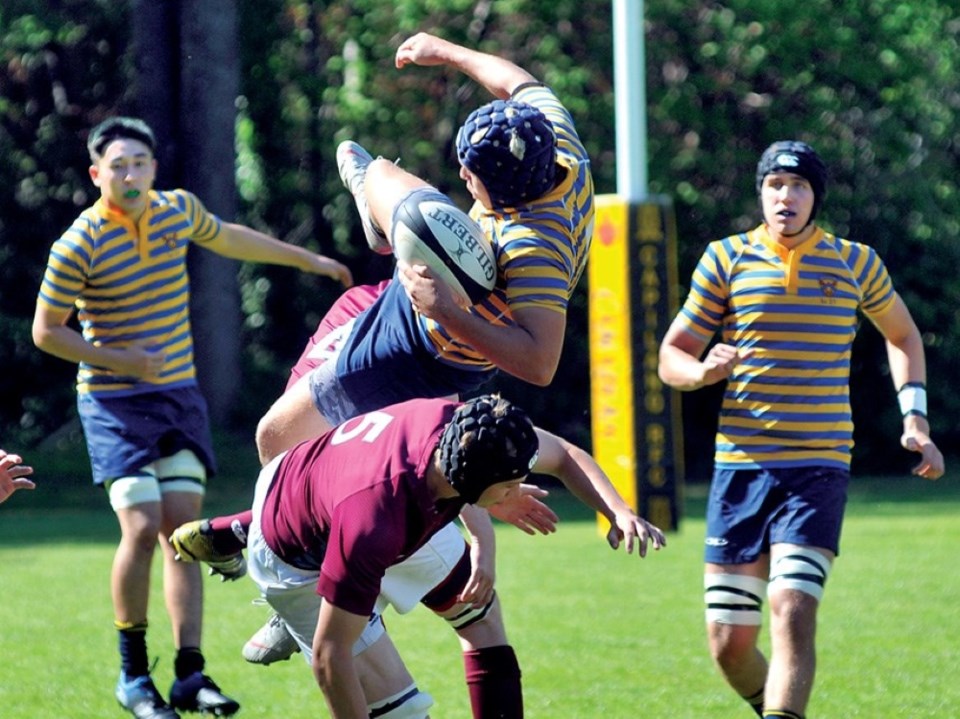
{"points": [[537, 370], [41, 335], [542, 378]]}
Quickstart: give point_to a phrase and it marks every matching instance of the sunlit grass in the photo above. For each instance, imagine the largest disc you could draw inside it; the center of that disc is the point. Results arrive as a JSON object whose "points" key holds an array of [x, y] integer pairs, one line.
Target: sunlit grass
{"points": [[599, 634]]}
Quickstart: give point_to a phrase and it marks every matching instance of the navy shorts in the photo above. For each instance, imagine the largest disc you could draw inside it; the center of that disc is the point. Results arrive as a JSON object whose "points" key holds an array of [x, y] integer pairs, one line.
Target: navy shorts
{"points": [[124, 434], [386, 358], [750, 509]]}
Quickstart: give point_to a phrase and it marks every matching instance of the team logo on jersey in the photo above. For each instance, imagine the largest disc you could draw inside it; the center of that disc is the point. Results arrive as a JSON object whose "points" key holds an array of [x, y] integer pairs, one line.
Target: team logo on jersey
{"points": [[828, 286], [171, 241]]}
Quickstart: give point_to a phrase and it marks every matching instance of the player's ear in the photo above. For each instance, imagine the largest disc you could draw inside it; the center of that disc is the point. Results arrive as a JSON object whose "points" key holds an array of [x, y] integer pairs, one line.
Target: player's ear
{"points": [[94, 171]]}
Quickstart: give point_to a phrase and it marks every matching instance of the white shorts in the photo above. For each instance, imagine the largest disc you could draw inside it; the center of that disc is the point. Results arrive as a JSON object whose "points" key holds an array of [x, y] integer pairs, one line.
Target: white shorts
{"points": [[292, 592]]}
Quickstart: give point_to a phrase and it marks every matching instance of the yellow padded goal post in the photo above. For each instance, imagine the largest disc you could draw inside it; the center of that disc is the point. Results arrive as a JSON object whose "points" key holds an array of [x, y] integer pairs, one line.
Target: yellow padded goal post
{"points": [[636, 422]]}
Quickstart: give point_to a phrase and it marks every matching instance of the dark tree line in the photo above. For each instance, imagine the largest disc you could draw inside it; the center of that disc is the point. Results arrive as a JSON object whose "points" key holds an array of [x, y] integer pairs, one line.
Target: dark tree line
{"points": [[253, 96]]}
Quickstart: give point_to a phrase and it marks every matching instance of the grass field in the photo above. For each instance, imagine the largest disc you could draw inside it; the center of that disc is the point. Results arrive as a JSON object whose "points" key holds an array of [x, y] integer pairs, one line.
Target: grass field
{"points": [[599, 634]]}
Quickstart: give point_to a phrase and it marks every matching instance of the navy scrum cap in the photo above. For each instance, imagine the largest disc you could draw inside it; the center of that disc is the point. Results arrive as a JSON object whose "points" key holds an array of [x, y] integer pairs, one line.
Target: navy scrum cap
{"points": [[797, 158], [119, 128], [512, 147], [488, 440]]}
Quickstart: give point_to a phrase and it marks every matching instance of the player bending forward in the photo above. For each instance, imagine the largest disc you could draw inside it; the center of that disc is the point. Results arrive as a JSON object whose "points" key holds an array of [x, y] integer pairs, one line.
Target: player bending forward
{"points": [[332, 516]]}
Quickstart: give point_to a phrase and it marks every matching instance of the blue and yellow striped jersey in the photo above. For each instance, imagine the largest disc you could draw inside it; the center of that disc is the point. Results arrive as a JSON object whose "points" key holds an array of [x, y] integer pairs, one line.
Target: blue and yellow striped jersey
{"points": [[541, 247], [788, 404], [129, 284]]}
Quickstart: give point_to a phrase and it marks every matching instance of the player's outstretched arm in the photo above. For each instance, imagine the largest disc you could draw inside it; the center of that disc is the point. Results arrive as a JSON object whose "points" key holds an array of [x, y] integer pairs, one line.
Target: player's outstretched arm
{"points": [[240, 242], [581, 474], [13, 475], [498, 75]]}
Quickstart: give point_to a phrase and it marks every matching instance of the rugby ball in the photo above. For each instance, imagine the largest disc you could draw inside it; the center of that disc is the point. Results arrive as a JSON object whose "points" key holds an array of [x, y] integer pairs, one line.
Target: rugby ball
{"points": [[437, 234]]}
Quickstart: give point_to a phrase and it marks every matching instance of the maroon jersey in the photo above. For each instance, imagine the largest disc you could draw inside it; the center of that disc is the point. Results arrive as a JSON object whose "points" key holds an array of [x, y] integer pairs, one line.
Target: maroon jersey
{"points": [[354, 501], [331, 328]]}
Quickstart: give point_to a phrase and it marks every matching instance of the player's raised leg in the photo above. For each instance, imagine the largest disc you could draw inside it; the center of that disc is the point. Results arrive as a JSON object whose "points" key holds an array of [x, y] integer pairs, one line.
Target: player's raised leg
{"points": [[291, 419]]}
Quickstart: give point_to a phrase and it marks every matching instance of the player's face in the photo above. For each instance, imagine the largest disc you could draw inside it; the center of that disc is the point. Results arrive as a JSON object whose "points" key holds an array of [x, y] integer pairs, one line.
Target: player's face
{"points": [[476, 187], [125, 174], [500, 492], [787, 201]]}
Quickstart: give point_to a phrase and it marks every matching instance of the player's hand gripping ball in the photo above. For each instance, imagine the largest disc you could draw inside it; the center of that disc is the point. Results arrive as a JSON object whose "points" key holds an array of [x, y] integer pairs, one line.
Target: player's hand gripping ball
{"points": [[437, 234]]}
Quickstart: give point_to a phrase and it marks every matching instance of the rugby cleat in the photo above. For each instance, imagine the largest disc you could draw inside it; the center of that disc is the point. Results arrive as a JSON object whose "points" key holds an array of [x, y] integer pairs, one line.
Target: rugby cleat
{"points": [[139, 696], [199, 693], [192, 543], [352, 162], [272, 643]]}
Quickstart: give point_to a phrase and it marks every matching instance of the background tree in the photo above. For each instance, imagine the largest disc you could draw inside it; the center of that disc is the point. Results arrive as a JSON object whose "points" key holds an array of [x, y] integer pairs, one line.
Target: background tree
{"points": [[870, 83], [186, 89]]}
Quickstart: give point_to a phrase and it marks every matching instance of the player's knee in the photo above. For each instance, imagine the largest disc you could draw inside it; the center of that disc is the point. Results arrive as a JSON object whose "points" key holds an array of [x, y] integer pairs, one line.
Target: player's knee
{"points": [[731, 645], [411, 703], [800, 569], [734, 599]]}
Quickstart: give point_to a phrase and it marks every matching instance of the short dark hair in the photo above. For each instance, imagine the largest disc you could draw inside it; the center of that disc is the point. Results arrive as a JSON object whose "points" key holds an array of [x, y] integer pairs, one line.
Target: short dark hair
{"points": [[119, 128]]}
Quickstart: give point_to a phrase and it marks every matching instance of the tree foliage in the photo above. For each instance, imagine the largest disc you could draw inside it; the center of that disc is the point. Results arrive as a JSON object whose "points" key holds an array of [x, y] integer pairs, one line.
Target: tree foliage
{"points": [[870, 83]]}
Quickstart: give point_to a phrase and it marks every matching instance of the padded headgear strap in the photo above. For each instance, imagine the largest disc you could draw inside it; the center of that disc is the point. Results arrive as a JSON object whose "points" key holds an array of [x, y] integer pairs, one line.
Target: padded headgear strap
{"points": [[512, 147], [488, 440]]}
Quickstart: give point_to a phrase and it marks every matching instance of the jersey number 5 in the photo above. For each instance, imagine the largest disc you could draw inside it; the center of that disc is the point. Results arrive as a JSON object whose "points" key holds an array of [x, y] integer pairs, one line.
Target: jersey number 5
{"points": [[368, 427]]}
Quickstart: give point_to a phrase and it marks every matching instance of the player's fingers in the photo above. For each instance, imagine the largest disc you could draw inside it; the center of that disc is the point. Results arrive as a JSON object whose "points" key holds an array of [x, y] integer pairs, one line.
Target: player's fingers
{"points": [[546, 525], [928, 469], [523, 526], [638, 536], [613, 537], [532, 490]]}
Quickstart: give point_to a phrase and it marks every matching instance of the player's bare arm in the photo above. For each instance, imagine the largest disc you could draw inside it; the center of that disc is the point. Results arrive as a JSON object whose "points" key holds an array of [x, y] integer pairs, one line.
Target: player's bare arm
{"points": [[483, 551], [529, 350], [680, 365], [499, 76], [240, 242], [908, 371], [333, 666], [52, 335], [581, 474]]}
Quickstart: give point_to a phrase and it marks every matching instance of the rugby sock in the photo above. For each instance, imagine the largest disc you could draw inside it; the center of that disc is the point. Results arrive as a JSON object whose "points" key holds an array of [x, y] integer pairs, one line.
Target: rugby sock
{"points": [[229, 534], [493, 680], [785, 713], [188, 661], [756, 702], [133, 648]]}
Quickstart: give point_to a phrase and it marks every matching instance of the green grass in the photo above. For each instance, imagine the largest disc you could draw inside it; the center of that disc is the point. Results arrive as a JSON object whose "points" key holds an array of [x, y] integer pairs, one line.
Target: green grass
{"points": [[598, 633]]}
